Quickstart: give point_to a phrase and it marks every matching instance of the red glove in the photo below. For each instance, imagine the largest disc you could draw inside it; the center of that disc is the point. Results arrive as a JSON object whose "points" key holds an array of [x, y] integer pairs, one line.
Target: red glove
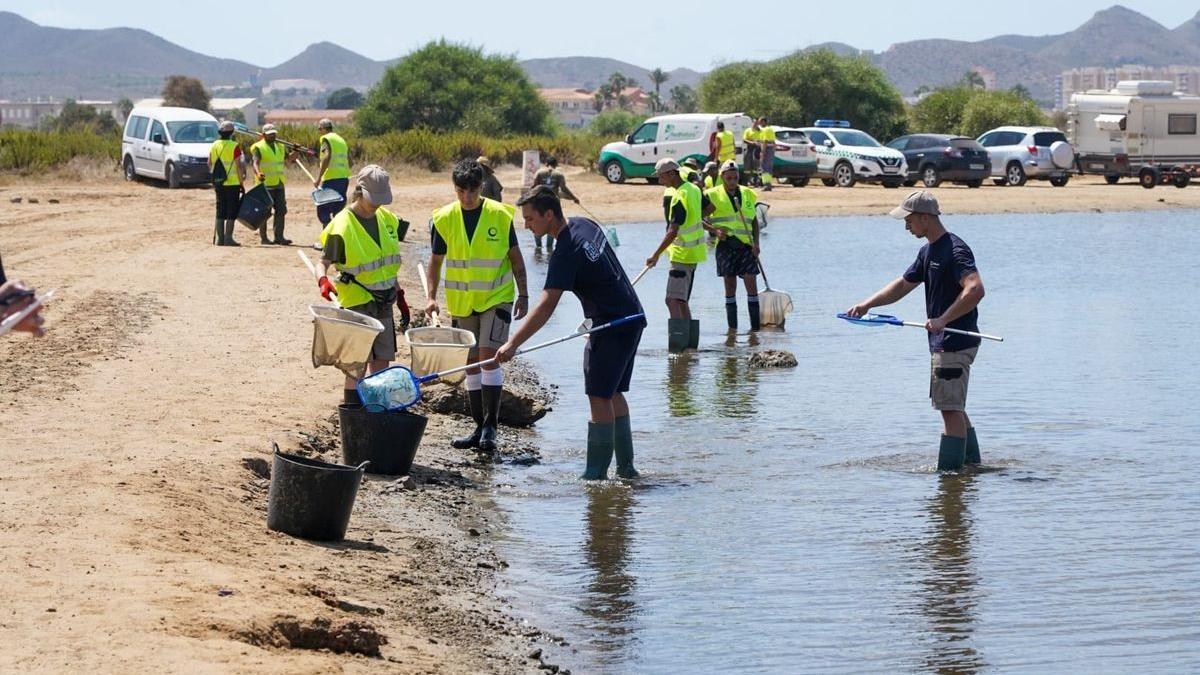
{"points": [[402, 305], [326, 287]]}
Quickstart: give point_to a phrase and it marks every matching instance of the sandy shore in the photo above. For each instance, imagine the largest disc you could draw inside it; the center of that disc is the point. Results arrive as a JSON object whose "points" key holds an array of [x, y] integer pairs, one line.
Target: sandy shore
{"points": [[136, 432]]}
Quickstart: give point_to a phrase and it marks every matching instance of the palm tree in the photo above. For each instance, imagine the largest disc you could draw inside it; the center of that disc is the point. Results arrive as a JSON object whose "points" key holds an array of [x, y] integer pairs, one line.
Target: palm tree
{"points": [[974, 80], [658, 77]]}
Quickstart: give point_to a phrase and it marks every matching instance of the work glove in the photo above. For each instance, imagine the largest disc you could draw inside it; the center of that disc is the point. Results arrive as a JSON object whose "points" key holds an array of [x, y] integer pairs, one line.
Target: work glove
{"points": [[402, 305], [326, 287]]}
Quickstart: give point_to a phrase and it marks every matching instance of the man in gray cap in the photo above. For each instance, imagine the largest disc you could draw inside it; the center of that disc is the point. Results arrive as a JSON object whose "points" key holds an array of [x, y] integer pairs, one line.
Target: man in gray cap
{"points": [[363, 243], [270, 159], [953, 289]]}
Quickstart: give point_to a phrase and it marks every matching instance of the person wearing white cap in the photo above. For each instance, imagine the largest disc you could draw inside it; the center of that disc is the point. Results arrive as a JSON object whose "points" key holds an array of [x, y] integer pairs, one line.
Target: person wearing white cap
{"points": [[229, 175], [953, 289], [362, 243], [334, 169], [270, 159], [733, 214]]}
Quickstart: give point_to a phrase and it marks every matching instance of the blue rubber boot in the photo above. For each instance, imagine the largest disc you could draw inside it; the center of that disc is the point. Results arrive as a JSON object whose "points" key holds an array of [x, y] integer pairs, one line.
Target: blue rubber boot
{"points": [[623, 448], [599, 451], [952, 453], [973, 447]]}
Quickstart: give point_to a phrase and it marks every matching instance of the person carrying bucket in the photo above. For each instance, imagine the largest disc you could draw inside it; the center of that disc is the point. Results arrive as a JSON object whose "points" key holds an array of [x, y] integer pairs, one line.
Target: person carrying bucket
{"points": [[334, 169], [363, 243], [229, 175], [585, 264], [953, 289], [270, 158], [475, 238], [732, 212]]}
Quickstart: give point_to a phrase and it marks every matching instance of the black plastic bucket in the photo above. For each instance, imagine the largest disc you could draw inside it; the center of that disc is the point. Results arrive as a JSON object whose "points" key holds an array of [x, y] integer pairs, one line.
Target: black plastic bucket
{"points": [[256, 207], [388, 440], [311, 499]]}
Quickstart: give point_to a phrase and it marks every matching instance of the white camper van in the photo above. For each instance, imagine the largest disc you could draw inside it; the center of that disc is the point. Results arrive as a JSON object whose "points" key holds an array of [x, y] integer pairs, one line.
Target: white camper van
{"points": [[1142, 128], [676, 136], [169, 144]]}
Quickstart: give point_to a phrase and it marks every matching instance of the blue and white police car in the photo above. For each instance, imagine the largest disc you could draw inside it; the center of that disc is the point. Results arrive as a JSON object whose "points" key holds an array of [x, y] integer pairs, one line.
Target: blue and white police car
{"points": [[846, 156]]}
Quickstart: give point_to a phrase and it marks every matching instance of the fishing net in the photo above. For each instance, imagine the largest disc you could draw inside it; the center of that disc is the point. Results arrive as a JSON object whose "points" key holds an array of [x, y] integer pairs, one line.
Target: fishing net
{"points": [[342, 338], [436, 349], [391, 389], [773, 307]]}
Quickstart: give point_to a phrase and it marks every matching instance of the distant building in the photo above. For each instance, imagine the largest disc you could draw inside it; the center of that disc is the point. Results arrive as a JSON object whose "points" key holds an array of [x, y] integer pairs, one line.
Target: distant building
{"points": [[573, 108], [308, 117], [296, 83], [1186, 79], [220, 107], [29, 114]]}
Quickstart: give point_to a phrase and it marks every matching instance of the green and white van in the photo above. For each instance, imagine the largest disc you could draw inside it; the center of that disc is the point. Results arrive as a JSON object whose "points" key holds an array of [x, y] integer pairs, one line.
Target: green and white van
{"points": [[676, 136]]}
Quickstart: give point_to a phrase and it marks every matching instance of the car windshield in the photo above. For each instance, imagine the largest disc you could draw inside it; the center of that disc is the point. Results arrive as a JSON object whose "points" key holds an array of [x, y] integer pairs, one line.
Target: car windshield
{"points": [[193, 132], [855, 138]]}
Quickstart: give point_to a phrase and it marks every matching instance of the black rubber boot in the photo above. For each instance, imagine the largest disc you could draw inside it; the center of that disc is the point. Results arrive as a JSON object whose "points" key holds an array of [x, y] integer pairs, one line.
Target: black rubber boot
{"points": [[599, 451], [262, 234], [219, 232], [279, 238], [623, 448], [229, 232], [475, 396], [755, 316], [491, 417], [350, 397], [731, 312], [694, 334], [677, 335], [972, 447], [952, 453]]}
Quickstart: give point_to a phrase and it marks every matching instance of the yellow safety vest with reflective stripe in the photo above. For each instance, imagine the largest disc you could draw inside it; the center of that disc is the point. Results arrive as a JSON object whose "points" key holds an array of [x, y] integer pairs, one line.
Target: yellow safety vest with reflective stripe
{"points": [[339, 157], [726, 218], [750, 135], [222, 151], [270, 162], [688, 246], [478, 272], [710, 182], [372, 265], [726, 150]]}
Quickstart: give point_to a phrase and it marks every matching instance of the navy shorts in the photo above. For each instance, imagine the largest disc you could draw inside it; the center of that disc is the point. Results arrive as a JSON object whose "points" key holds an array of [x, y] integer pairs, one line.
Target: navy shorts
{"points": [[608, 361], [229, 200]]}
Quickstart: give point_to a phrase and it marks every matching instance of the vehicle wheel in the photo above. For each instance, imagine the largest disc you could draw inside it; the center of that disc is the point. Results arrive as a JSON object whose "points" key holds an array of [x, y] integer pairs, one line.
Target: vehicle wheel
{"points": [[909, 183], [974, 183], [652, 180], [828, 182], [1014, 175], [930, 177], [614, 172], [892, 184], [127, 167], [999, 181], [1111, 178], [1181, 179], [1148, 177], [843, 175], [1060, 181], [800, 181], [172, 179]]}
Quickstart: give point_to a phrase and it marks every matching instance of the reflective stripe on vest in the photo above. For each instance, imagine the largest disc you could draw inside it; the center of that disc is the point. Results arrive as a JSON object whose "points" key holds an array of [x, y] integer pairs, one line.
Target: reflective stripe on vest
{"points": [[478, 272], [372, 265], [222, 151], [725, 217], [688, 246], [339, 157], [270, 162], [727, 150]]}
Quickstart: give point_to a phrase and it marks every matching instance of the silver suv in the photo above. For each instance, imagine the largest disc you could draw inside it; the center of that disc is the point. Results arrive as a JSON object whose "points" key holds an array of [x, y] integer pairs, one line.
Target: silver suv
{"points": [[1021, 153]]}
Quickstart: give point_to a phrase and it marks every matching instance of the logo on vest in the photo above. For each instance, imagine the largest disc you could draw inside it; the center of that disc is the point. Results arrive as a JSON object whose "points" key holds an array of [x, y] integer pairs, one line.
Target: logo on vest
{"points": [[492, 232]]}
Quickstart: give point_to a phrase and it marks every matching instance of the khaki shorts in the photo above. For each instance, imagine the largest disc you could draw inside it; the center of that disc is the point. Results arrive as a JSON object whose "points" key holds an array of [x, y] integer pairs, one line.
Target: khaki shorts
{"points": [[490, 327], [384, 347], [679, 281], [949, 373]]}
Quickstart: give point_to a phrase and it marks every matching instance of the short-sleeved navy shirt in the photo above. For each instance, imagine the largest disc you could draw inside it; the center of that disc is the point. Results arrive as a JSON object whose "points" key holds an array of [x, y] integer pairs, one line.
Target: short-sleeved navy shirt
{"points": [[584, 264], [941, 266]]}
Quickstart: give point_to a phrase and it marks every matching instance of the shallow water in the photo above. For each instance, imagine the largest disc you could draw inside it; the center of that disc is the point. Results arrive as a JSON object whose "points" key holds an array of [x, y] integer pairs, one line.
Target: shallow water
{"points": [[791, 520]]}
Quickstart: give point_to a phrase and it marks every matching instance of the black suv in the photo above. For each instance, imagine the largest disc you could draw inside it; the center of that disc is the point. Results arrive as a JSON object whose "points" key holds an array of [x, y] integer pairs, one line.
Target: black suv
{"points": [[933, 158]]}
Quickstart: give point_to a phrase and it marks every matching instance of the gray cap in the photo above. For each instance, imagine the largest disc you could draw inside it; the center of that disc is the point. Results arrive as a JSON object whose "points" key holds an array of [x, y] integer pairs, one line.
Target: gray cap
{"points": [[375, 184], [268, 129], [325, 123], [711, 166], [226, 125], [729, 165], [692, 162], [664, 165], [921, 201]]}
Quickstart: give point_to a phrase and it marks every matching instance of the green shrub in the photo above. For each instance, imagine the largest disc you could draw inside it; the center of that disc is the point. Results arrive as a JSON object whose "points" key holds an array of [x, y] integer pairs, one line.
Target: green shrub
{"points": [[25, 151]]}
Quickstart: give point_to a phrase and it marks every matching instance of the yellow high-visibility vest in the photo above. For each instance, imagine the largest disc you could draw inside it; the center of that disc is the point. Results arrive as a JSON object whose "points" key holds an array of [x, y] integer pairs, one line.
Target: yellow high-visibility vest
{"points": [[339, 157], [688, 246], [222, 151], [374, 265], [726, 149], [478, 272], [726, 218], [271, 162]]}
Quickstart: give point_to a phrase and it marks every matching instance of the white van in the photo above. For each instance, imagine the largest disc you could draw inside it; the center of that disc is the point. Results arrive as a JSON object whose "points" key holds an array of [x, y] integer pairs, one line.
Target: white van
{"points": [[169, 144], [676, 136]]}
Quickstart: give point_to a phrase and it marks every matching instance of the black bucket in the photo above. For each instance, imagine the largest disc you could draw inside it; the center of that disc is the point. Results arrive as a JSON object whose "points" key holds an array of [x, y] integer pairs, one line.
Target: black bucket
{"points": [[388, 440], [311, 499], [256, 207]]}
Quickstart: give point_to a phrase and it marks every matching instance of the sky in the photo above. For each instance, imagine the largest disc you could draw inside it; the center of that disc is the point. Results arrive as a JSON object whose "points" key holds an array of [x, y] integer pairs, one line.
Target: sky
{"points": [[647, 34]]}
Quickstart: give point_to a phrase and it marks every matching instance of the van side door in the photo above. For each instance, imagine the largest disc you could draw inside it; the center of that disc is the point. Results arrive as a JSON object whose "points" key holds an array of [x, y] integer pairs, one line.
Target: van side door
{"points": [[156, 149], [644, 144], [678, 139], [135, 132]]}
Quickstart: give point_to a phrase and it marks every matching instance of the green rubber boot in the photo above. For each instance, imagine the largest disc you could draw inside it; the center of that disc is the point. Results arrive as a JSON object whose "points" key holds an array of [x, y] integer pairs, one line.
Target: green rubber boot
{"points": [[678, 335], [599, 451], [952, 453], [694, 334], [973, 447], [623, 447]]}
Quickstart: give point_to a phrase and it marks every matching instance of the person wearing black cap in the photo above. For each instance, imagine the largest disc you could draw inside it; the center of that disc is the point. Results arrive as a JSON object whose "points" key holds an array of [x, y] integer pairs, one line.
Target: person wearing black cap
{"points": [[953, 289], [585, 264]]}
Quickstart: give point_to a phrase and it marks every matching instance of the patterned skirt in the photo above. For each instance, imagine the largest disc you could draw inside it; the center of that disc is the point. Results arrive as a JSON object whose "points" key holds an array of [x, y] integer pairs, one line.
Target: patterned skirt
{"points": [[735, 259]]}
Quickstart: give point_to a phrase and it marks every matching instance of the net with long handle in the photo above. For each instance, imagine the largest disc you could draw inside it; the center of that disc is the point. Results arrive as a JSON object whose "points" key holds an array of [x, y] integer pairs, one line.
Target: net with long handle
{"points": [[435, 348]]}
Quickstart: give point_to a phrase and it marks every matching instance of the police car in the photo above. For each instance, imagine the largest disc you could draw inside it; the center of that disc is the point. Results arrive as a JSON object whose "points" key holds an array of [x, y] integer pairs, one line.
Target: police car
{"points": [[846, 156]]}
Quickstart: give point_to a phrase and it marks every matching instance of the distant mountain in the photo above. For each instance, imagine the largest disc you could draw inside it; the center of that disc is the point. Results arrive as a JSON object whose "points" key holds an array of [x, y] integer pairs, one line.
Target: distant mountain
{"points": [[1117, 36], [1189, 31], [910, 65], [327, 62], [589, 72]]}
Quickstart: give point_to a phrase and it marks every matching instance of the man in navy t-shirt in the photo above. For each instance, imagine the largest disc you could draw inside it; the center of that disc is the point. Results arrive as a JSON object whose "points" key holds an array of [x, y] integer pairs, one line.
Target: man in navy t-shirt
{"points": [[953, 289], [584, 264]]}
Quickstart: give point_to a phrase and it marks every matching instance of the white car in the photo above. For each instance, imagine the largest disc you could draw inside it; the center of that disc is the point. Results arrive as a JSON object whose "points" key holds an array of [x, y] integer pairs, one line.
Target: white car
{"points": [[169, 144], [1021, 153], [846, 156]]}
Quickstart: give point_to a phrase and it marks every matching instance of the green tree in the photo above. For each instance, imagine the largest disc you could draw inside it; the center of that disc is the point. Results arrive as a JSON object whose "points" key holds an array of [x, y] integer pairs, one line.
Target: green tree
{"points": [[444, 87], [940, 112], [989, 109], [1020, 91], [126, 107], [657, 77], [973, 80], [613, 123], [799, 88], [75, 117], [185, 92], [236, 115], [683, 99], [345, 98]]}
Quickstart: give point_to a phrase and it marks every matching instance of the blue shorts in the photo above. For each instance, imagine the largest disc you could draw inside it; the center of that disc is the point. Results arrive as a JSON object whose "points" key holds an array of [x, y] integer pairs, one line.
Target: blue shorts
{"points": [[608, 361]]}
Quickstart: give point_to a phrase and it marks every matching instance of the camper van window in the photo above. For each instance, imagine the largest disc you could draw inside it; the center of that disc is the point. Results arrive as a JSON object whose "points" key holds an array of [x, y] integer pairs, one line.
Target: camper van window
{"points": [[1181, 125]]}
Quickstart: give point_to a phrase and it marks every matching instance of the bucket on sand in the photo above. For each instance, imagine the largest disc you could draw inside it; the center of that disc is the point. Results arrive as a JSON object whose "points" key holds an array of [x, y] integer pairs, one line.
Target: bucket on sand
{"points": [[387, 440], [311, 499], [256, 207]]}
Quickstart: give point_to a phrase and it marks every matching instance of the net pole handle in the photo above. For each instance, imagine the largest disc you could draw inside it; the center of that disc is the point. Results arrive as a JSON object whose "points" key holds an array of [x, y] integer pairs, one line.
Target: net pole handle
{"points": [[640, 275], [762, 270], [425, 290], [304, 169], [956, 331], [316, 275]]}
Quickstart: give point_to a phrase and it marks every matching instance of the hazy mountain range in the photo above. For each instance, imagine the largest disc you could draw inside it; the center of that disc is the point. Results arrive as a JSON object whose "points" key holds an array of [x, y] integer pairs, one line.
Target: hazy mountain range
{"points": [[115, 62]]}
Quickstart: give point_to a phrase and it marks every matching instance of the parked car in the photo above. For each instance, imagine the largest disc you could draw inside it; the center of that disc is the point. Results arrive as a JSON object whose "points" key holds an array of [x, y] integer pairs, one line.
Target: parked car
{"points": [[169, 144], [846, 156], [676, 136], [933, 158], [795, 156], [1021, 153]]}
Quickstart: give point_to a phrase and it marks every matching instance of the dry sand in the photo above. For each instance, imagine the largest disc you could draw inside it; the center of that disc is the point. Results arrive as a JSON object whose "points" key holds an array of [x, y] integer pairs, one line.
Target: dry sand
{"points": [[133, 530]]}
